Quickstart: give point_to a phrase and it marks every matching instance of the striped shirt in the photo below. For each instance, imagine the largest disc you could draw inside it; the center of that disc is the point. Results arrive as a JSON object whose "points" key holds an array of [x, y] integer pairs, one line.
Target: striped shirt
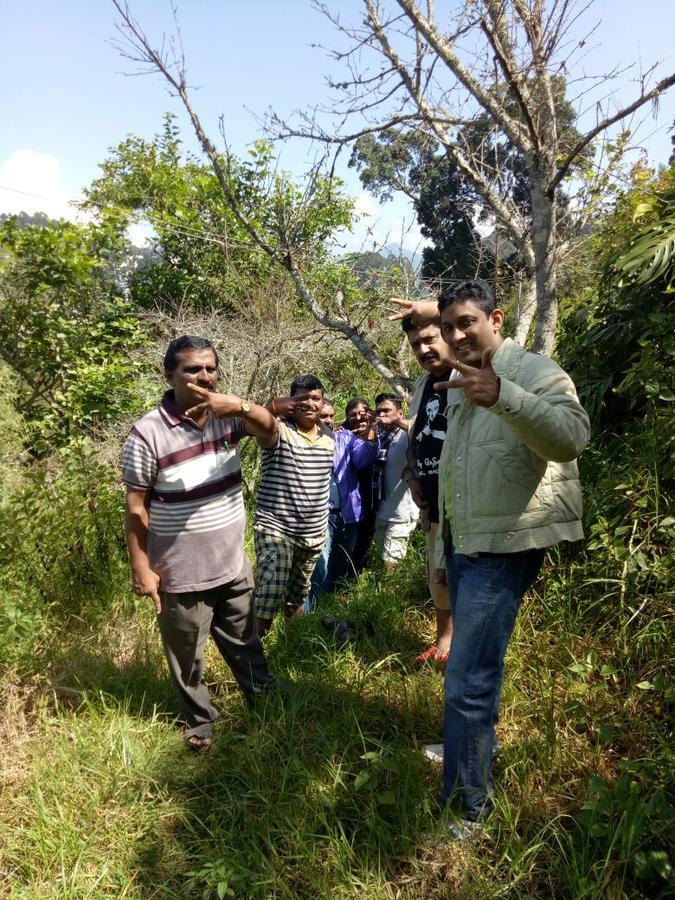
{"points": [[293, 491], [195, 538]]}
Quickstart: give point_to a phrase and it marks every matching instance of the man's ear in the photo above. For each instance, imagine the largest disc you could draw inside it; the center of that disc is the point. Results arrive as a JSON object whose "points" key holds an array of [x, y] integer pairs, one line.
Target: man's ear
{"points": [[497, 316], [168, 377]]}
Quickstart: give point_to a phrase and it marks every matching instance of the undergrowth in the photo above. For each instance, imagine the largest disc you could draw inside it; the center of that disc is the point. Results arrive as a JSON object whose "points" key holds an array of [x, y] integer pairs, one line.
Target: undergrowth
{"points": [[327, 793]]}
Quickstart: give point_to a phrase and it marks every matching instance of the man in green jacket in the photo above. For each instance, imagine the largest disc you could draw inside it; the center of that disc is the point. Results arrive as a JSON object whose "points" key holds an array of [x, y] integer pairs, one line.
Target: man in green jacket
{"points": [[508, 489]]}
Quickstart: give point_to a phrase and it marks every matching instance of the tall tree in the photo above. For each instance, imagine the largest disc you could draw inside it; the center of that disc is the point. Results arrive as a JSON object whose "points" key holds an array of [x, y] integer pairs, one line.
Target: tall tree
{"points": [[444, 202], [450, 211], [493, 58], [201, 254], [66, 331], [289, 225]]}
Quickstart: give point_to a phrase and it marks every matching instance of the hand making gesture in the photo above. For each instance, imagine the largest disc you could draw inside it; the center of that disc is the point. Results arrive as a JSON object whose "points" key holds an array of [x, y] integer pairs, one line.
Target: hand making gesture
{"points": [[420, 312], [481, 385], [221, 406], [282, 406]]}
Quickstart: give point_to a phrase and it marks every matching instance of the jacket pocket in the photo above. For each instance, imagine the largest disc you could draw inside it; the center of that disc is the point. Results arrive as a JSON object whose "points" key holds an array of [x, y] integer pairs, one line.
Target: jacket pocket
{"points": [[505, 481]]}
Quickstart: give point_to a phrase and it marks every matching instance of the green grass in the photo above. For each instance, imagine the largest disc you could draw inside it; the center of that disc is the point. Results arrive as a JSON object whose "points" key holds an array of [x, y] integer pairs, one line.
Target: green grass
{"points": [[326, 793]]}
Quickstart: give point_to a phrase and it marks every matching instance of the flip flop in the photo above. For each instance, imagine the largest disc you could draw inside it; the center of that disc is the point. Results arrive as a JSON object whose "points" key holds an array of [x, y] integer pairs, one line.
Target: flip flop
{"points": [[429, 654], [198, 744]]}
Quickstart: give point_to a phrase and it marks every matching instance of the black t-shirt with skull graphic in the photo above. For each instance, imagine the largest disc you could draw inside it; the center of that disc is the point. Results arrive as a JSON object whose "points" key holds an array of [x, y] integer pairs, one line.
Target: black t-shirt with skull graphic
{"points": [[427, 440]]}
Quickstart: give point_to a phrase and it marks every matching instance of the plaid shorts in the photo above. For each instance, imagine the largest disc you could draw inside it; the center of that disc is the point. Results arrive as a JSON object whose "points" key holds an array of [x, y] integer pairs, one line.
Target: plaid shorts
{"points": [[283, 572]]}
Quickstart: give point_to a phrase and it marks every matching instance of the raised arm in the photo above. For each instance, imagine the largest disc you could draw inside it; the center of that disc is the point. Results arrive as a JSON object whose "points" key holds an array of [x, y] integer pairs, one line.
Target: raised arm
{"points": [[422, 312], [362, 453], [258, 421]]}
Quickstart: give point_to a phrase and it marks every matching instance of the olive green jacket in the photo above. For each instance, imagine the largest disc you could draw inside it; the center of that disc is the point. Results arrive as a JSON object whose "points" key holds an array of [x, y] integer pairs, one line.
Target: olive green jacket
{"points": [[513, 470]]}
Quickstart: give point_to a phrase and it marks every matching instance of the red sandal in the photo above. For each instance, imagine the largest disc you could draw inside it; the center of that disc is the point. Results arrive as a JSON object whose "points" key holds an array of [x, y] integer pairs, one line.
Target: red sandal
{"points": [[427, 655]]}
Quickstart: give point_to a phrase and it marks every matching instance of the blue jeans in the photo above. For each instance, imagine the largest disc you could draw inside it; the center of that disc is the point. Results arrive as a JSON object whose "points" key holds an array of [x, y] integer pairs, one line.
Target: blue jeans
{"points": [[485, 593], [335, 561]]}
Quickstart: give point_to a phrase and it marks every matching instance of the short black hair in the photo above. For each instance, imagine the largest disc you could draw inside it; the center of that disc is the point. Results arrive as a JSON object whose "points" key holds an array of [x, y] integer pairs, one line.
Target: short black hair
{"points": [[305, 383], [354, 402], [409, 326], [186, 342], [395, 399], [478, 292]]}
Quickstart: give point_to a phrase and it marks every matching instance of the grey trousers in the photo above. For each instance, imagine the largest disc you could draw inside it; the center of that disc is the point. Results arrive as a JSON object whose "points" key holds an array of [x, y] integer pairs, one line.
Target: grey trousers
{"points": [[228, 613]]}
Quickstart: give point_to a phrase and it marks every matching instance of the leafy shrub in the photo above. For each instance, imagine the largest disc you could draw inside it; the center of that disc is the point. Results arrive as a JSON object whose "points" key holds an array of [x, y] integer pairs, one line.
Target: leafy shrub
{"points": [[63, 532], [619, 345], [65, 330]]}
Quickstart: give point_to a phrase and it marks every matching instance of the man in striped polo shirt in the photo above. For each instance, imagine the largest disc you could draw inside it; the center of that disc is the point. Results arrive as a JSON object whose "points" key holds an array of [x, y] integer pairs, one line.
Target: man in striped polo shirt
{"points": [[292, 513], [185, 526]]}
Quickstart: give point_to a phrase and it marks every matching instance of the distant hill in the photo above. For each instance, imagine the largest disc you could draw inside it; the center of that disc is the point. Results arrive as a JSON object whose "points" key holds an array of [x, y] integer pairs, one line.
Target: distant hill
{"points": [[26, 220], [397, 250]]}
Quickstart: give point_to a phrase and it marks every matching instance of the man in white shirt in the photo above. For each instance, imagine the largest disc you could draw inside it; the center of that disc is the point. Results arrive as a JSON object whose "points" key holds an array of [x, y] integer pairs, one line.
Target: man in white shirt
{"points": [[396, 513]]}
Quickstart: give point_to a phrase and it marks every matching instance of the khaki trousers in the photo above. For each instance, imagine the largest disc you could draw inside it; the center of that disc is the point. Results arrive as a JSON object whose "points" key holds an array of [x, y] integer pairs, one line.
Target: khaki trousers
{"points": [[437, 589]]}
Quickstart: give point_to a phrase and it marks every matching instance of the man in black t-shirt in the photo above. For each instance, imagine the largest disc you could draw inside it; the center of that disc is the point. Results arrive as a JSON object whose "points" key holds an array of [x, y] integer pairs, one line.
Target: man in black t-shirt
{"points": [[427, 426]]}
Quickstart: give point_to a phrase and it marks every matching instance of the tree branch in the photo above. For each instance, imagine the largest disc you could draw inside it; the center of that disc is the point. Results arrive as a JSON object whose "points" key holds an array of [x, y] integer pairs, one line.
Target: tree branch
{"points": [[507, 212], [660, 88], [157, 59], [443, 48]]}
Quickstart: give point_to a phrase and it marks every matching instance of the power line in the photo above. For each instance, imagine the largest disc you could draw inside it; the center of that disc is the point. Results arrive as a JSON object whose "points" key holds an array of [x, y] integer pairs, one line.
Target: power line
{"points": [[4, 187]]}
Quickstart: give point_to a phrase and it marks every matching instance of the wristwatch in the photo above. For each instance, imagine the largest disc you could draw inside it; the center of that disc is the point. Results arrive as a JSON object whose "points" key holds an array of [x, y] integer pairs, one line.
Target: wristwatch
{"points": [[245, 407]]}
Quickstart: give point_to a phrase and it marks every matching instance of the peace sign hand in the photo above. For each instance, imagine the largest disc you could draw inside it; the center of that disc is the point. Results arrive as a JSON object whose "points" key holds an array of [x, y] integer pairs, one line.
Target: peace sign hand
{"points": [[420, 312], [481, 386]]}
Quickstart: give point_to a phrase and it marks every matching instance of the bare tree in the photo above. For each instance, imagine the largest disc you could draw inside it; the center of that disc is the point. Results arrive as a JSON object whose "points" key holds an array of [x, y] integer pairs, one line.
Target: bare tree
{"points": [[282, 240], [504, 58]]}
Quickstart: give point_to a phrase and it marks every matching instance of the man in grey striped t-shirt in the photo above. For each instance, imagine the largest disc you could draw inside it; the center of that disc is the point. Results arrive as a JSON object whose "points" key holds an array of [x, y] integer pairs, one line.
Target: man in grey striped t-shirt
{"points": [[292, 513], [185, 526]]}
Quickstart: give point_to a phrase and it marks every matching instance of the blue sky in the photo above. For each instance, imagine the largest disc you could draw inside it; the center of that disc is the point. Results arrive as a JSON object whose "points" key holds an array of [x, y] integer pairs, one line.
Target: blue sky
{"points": [[65, 97]]}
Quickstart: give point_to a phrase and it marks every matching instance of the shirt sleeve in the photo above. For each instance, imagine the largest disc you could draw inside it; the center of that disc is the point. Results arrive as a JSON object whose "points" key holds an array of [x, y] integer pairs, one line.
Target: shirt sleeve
{"points": [[235, 430], [139, 463], [548, 418], [362, 452]]}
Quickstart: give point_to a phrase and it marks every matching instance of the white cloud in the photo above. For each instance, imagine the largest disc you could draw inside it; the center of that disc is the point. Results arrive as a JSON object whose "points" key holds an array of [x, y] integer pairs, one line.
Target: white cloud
{"points": [[31, 182]]}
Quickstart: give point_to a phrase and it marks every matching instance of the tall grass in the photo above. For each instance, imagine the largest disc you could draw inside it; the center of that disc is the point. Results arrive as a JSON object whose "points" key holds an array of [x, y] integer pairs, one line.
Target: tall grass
{"points": [[326, 793]]}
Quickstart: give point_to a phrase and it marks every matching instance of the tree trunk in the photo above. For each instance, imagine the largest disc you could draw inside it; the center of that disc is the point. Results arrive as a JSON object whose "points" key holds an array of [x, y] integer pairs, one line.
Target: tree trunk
{"points": [[543, 243], [527, 307]]}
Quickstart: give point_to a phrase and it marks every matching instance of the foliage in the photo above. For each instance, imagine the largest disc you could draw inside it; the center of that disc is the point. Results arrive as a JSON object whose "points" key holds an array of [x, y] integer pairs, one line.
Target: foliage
{"points": [[65, 328], [617, 341], [448, 205], [62, 545], [24, 219], [620, 342], [626, 817], [204, 255], [67, 519], [651, 255]]}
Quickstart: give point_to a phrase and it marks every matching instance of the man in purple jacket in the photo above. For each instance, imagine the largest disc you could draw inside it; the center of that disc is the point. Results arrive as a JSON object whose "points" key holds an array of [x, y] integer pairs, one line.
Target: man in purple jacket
{"points": [[345, 508]]}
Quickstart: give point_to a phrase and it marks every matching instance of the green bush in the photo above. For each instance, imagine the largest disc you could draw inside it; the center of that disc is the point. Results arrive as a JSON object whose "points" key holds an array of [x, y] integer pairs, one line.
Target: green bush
{"points": [[62, 545]]}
